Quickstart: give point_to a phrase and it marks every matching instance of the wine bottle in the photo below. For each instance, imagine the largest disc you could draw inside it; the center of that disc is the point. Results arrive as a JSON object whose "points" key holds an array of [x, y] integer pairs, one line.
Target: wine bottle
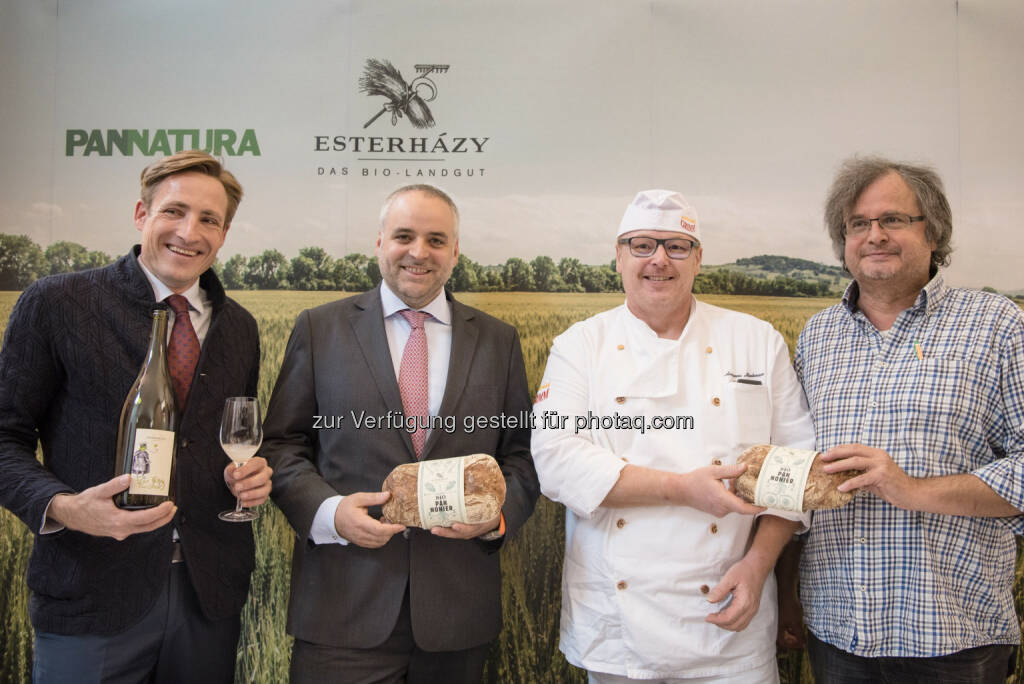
{"points": [[146, 436]]}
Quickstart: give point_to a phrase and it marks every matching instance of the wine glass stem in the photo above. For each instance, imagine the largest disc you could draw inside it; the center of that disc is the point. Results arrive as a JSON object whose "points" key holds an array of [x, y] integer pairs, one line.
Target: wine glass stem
{"points": [[238, 499]]}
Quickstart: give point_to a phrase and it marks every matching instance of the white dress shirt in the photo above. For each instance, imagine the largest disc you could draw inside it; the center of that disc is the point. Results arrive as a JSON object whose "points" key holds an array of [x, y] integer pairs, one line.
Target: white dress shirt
{"points": [[200, 310], [438, 329]]}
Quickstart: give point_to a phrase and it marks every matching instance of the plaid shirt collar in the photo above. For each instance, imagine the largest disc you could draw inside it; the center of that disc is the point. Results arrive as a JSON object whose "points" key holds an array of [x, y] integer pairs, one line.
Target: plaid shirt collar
{"points": [[928, 300]]}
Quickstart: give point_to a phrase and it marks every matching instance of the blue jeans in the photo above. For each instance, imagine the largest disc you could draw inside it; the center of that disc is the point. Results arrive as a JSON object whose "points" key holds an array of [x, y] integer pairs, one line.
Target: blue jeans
{"points": [[981, 665]]}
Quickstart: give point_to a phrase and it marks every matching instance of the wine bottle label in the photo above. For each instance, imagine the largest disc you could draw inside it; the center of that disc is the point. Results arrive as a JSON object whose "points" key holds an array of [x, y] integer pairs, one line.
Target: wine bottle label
{"points": [[441, 493], [783, 477], [151, 462]]}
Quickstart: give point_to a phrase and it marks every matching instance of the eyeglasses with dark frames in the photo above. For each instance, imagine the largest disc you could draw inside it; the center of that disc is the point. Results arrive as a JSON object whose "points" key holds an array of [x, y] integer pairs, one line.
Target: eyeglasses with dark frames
{"points": [[642, 247], [859, 225]]}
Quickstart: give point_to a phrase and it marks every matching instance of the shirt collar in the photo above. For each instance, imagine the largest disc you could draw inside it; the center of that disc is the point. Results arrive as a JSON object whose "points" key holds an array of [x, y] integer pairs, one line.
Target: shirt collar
{"points": [[194, 294], [438, 307], [928, 300], [932, 294], [647, 331]]}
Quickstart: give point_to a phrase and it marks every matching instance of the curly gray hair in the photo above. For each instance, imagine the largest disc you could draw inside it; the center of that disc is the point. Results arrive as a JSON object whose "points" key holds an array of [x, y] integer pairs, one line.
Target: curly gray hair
{"points": [[857, 173]]}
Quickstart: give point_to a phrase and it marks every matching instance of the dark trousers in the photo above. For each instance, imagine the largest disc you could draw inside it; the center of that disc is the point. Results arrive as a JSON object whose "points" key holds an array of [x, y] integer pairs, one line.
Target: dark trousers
{"points": [[982, 665], [398, 660], [171, 643]]}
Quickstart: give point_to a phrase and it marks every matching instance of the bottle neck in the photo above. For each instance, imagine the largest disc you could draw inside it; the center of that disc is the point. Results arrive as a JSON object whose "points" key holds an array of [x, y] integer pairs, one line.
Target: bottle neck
{"points": [[158, 338]]}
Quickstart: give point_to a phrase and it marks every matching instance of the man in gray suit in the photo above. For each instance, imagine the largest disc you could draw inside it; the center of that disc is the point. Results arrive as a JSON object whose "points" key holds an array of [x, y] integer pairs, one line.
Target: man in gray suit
{"points": [[371, 601]]}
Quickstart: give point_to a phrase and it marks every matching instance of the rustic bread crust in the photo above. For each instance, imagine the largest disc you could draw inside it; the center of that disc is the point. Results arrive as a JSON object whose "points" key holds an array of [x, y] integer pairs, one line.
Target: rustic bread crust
{"points": [[484, 487], [819, 493]]}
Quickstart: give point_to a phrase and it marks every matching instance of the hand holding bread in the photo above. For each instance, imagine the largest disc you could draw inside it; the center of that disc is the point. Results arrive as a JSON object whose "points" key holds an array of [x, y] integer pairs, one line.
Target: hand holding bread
{"points": [[483, 491], [819, 492]]}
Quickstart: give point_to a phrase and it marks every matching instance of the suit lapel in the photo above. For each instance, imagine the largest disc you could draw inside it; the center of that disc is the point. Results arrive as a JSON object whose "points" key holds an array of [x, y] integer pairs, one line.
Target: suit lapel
{"points": [[464, 339], [368, 327]]}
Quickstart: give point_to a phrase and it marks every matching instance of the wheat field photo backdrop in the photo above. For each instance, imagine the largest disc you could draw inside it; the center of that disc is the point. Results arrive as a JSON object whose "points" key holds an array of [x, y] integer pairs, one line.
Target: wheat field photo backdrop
{"points": [[527, 650]]}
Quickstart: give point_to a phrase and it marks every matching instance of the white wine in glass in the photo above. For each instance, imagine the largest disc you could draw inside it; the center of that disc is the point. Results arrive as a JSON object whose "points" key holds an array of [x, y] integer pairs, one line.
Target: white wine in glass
{"points": [[241, 433]]}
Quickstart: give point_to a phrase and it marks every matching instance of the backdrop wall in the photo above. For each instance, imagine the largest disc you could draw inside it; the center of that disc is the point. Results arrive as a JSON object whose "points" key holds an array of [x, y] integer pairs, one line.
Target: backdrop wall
{"points": [[548, 116]]}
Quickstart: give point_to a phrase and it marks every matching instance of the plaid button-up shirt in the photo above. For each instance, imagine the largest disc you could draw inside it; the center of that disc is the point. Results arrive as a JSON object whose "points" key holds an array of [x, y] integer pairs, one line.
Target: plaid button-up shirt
{"points": [[942, 392]]}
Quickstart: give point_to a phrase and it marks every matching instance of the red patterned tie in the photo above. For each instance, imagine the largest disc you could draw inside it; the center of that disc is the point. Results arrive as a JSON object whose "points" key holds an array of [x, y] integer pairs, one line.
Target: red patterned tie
{"points": [[413, 380], [183, 351]]}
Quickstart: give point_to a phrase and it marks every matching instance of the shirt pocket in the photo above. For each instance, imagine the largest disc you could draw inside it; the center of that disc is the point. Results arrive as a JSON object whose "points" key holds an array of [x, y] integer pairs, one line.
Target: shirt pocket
{"points": [[940, 408], [748, 414]]}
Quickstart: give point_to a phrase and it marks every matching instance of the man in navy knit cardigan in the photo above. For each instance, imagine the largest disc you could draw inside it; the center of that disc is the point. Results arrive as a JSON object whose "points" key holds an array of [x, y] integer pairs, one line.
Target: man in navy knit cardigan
{"points": [[132, 595]]}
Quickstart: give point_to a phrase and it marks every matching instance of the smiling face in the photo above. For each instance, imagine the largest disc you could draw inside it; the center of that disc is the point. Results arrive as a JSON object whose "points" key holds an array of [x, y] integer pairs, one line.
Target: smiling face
{"points": [[897, 258], [182, 228], [657, 287], [417, 247]]}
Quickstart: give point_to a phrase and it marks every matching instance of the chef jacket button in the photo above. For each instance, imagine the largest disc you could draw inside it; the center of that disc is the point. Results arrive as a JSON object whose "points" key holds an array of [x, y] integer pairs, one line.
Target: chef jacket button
{"points": [[708, 350], [717, 461], [620, 400], [621, 347], [714, 528], [715, 401], [625, 460], [620, 523], [621, 585], [704, 588]]}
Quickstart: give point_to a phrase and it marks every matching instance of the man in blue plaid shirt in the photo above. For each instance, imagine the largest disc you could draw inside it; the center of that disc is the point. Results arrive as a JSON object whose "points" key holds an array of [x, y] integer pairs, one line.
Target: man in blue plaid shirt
{"points": [[921, 387]]}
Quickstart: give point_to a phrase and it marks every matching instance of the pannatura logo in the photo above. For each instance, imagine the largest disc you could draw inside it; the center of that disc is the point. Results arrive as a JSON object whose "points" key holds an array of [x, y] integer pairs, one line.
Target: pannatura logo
{"points": [[160, 141]]}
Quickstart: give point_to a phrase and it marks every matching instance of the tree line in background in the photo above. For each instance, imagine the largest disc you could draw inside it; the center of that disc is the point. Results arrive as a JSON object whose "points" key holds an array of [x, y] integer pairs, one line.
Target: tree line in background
{"points": [[22, 261], [314, 269]]}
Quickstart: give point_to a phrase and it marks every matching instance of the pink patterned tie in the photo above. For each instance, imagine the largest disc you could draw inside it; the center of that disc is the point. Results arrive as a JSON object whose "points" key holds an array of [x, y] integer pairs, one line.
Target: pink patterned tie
{"points": [[413, 380], [183, 350]]}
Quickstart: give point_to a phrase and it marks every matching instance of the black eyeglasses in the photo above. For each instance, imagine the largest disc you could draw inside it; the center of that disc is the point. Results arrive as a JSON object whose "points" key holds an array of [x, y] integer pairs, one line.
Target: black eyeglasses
{"points": [[859, 225], [675, 248]]}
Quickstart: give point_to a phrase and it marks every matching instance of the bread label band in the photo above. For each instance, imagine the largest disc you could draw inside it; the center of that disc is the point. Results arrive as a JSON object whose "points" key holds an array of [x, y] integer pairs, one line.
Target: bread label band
{"points": [[783, 477], [441, 492]]}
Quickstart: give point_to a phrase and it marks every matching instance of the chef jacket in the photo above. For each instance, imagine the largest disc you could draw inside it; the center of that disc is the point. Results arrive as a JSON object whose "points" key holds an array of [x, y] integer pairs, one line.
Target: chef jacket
{"points": [[635, 579]]}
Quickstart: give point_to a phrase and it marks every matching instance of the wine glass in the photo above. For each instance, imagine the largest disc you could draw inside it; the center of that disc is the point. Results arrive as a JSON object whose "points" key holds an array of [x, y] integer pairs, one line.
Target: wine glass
{"points": [[241, 433]]}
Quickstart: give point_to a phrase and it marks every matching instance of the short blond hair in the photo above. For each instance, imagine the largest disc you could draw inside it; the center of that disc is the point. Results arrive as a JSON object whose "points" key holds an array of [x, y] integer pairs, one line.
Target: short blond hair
{"points": [[192, 161]]}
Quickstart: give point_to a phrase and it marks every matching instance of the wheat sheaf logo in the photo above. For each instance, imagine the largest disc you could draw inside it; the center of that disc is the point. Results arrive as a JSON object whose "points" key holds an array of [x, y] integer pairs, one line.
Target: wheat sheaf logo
{"points": [[381, 78]]}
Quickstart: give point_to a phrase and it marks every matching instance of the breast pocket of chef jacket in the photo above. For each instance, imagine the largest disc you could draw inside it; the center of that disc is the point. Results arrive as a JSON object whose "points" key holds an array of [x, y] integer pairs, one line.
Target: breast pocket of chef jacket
{"points": [[748, 414]]}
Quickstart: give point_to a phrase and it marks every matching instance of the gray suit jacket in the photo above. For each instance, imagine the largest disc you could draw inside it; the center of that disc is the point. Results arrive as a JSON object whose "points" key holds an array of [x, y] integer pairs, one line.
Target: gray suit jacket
{"points": [[337, 361]]}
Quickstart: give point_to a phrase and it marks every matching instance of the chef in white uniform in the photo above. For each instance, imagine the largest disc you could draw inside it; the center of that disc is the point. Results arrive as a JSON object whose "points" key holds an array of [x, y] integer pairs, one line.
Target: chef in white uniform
{"points": [[641, 415]]}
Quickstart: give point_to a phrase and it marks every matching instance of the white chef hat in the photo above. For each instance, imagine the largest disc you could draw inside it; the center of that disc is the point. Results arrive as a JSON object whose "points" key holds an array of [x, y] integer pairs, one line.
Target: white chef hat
{"points": [[660, 210]]}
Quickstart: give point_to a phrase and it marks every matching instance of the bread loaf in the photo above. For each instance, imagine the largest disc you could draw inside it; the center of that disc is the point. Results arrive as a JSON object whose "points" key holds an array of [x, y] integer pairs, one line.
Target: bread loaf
{"points": [[483, 489], [819, 493]]}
